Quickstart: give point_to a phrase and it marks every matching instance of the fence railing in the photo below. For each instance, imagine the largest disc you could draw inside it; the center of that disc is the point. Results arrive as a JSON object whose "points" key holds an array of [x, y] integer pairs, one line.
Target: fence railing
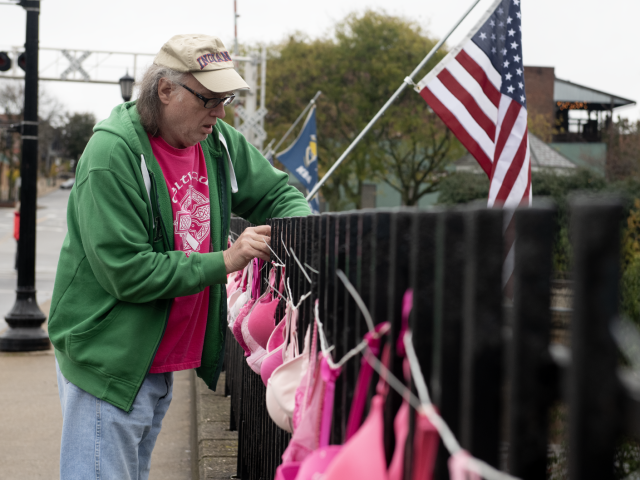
{"points": [[491, 368]]}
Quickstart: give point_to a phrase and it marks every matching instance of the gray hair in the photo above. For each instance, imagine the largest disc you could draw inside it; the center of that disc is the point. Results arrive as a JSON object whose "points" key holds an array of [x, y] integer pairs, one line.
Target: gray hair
{"points": [[148, 103]]}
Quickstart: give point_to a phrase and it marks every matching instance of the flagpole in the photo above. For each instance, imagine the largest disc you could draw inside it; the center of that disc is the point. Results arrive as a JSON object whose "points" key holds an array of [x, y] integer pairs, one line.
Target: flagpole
{"points": [[306, 109], [407, 81]]}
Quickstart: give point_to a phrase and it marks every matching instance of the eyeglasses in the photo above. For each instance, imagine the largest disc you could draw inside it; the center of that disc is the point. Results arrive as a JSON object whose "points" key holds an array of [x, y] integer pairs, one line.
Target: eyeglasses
{"points": [[211, 102]]}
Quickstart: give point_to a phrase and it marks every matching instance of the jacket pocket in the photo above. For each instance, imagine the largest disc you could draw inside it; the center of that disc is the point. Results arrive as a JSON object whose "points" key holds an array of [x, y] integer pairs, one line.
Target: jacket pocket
{"points": [[102, 324], [122, 345]]}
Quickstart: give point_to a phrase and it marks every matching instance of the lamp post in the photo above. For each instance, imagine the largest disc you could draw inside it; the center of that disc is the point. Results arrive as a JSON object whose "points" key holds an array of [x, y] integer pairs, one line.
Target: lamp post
{"points": [[126, 86], [25, 318]]}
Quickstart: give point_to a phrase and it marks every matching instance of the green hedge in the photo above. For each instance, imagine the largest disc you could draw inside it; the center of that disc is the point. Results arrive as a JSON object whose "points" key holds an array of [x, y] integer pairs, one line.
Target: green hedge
{"points": [[464, 187]]}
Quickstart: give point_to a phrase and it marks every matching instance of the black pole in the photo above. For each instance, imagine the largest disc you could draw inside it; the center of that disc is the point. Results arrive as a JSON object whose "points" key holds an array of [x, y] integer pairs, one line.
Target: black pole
{"points": [[25, 318]]}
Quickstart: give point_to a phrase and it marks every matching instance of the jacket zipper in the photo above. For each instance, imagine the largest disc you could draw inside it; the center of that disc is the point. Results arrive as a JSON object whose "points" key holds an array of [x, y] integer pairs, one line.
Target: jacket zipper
{"points": [[166, 239]]}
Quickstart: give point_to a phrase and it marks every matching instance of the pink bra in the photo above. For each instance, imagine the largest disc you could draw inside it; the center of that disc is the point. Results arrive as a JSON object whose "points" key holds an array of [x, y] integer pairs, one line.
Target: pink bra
{"points": [[318, 460], [283, 384], [458, 467], [309, 454], [281, 351], [425, 448], [273, 358], [261, 325], [239, 298], [237, 325], [262, 317], [309, 451], [363, 455], [261, 320], [233, 280], [246, 308]]}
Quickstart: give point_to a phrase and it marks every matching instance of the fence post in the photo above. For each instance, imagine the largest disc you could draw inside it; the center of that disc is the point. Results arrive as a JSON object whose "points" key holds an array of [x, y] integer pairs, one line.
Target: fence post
{"points": [[422, 280], [594, 398], [327, 316], [529, 364], [351, 318], [448, 308], [322, 253], [365, 264], [381, 244], [482, 359], [396, 284], [340, 327], [313, 252]]}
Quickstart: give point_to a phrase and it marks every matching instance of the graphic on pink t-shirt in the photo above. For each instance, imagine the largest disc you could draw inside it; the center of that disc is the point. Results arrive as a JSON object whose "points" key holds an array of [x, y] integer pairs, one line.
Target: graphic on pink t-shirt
{"points": [[185, 173], [193, 221]]}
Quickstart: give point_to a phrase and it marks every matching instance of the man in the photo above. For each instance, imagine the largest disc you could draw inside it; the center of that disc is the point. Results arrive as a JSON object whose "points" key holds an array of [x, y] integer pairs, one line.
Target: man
{"points": [[139, 291]]}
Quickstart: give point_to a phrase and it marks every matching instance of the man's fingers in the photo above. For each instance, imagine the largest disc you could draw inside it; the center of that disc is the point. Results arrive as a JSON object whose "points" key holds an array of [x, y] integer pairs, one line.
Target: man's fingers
{"points": [[264, 256], [260, 246], [263, 230]]}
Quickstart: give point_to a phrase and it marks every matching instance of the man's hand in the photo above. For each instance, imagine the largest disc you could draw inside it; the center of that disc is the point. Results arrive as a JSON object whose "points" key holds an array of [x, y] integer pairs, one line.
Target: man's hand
{"points": [[249, 245]]}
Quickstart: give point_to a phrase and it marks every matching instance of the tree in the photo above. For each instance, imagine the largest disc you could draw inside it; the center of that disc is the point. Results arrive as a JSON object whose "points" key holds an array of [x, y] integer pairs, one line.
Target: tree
{"points": [[76, 132], [623, 149], [51, 116], [11, 103], [418, 148], [358, 69]]}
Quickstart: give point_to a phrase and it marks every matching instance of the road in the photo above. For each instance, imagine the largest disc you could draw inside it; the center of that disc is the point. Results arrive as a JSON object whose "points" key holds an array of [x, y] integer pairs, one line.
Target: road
{"points": [[30, 417], [51, 229]]}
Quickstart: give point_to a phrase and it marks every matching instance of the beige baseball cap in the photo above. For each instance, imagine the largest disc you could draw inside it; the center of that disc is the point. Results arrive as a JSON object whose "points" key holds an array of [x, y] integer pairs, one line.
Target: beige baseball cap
{"points": [[205, 57]]}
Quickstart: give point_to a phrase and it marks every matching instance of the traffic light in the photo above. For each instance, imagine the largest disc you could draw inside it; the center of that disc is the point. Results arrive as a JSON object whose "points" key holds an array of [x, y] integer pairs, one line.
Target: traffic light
{"points": [[22, 61], [5, 62]]}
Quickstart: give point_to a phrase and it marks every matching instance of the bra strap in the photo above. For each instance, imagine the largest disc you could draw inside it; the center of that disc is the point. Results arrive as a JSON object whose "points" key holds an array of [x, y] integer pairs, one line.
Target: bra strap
{"points": [[291, 333], [281, 287], [245, 278], [362, 387], [272, 284], [329, 376], [407, 304], [255, 284]]}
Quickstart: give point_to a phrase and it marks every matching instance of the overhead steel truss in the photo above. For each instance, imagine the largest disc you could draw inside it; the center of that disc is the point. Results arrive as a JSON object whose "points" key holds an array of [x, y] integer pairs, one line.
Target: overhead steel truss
{"points": [[106, 67]]}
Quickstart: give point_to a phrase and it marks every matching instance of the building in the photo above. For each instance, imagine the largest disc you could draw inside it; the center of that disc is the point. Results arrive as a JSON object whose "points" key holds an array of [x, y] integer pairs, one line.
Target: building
{"points": [[577, 116]]}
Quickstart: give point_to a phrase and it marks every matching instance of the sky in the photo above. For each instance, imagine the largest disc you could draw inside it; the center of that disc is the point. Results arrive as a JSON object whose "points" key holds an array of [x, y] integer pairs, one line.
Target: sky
{"points": [[587, 41]]}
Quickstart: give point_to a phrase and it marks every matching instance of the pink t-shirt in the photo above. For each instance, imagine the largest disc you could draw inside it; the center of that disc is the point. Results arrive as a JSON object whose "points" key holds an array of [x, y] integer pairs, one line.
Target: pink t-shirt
{"points": [[185, 172]]}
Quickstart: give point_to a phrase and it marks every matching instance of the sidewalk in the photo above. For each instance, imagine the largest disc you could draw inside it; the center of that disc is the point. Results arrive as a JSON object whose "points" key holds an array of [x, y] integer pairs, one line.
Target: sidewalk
{"points": [[30, 416], [31, 422]]}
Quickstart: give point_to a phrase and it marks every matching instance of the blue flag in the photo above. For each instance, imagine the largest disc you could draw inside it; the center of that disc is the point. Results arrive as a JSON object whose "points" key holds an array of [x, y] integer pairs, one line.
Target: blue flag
{"points": [[301, 158]]}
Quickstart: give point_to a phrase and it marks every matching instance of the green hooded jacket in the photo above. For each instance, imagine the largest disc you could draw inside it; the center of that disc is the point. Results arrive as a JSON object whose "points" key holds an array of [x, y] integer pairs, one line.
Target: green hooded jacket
{"points": [[118, 272]]}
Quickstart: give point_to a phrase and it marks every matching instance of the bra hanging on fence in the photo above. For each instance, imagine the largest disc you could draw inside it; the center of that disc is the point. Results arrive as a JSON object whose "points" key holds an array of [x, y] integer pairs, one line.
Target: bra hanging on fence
{"points": [[239, 298], [363, 455], [288, 349], [285, 380], [262, 316], [283, 384], [273, 358], [246, 309], [233, 280], [309, 451], [262, 323]]}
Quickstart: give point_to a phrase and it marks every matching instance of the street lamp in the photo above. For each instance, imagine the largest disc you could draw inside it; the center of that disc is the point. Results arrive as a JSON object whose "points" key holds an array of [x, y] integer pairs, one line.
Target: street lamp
{"points": [[126, 86], [25, 318]]}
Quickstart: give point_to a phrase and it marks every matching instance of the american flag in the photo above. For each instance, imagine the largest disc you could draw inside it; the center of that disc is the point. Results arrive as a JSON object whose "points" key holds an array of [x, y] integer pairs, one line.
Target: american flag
{"points": [[478, 91]]}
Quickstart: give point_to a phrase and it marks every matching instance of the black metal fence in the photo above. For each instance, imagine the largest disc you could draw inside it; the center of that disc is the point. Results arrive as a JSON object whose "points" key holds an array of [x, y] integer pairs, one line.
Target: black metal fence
{"points": [[489, 363]]}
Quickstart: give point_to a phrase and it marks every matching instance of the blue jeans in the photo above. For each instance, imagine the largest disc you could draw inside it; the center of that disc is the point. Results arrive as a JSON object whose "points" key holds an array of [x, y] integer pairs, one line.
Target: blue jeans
{"points": [[102, 442]]}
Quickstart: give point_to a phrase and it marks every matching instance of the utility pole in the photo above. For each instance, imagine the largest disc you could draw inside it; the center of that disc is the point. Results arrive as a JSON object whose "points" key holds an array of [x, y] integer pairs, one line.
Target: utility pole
{"points": [[25, 318], [235, 27]]}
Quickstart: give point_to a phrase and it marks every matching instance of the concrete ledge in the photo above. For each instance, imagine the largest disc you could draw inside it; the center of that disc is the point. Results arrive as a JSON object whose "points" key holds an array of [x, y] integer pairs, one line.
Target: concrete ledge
{"points": [[215, 445]]}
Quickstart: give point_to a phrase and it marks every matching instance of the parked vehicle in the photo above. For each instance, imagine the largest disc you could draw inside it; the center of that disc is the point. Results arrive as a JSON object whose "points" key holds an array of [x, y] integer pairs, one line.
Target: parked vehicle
{"points": [[67, 184]]}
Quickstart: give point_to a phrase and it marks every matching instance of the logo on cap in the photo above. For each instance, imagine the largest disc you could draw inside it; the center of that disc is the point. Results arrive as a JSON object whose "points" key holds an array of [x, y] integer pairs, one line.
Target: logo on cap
{"points": [[217, 57]]}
